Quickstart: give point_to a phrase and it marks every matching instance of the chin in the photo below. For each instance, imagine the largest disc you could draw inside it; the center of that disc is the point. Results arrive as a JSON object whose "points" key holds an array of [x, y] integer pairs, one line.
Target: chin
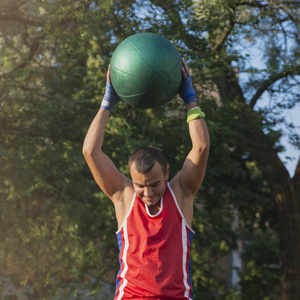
{"points": [[152, 202], [149, 203]]}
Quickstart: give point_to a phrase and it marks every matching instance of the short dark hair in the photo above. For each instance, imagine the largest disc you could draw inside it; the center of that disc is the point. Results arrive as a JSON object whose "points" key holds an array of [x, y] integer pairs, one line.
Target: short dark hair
{"points": [[145, 158]]}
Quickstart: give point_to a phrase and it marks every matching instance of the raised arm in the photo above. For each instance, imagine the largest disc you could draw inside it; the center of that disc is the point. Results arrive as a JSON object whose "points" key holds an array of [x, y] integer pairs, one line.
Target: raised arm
{"points": [[194, 167], [110, 180], [190, 178]]}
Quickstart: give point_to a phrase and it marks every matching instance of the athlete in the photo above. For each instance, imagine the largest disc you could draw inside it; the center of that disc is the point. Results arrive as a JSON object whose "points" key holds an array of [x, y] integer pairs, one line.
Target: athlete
{"points": [[154, 216]]}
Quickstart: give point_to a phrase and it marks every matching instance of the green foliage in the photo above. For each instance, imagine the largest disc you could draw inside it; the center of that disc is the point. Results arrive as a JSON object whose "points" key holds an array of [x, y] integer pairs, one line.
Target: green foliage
{"points": [[55, 224], [260, 278]]}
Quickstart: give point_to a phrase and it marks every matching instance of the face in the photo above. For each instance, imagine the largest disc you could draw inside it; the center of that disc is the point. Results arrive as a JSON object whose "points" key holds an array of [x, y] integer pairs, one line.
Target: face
{"points": [[151, 186]]}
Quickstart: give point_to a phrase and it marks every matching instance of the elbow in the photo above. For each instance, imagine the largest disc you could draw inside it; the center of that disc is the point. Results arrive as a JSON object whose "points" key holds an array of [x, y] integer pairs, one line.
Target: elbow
{"points": [[85, 151], [91, 151], [88, 151], [203, 148], [89, 155], [206, 144]]}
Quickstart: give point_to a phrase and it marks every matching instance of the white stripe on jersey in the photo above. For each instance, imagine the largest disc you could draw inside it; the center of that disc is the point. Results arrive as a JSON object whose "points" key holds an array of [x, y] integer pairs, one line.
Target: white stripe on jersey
{"points": [[121, 290], [184, 259]]}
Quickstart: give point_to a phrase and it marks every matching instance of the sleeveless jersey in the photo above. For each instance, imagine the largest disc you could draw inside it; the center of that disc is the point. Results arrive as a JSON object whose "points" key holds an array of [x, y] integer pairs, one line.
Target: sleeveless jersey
{"points": [[154, 252]]}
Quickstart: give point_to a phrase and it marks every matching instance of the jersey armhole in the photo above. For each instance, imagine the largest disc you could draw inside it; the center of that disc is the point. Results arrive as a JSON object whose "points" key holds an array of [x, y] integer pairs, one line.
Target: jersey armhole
{"points": [[179, 210], [131, 205]]}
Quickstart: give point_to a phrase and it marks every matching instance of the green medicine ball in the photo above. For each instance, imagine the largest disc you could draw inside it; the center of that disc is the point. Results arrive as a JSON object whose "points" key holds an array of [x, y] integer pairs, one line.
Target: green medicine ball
{"points": [[145, 70]]}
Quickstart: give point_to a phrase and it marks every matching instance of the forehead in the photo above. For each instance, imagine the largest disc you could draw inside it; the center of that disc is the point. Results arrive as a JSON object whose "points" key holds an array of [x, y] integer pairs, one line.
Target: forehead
{"points": [[155, 174]]}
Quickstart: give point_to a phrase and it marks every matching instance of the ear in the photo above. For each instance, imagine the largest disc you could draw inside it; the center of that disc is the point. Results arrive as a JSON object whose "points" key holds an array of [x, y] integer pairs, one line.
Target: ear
{"points": [[167, 172]]}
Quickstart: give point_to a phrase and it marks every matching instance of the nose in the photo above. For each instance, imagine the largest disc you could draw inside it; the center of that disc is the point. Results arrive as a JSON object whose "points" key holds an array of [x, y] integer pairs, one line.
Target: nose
{"points": [[147, 192]]}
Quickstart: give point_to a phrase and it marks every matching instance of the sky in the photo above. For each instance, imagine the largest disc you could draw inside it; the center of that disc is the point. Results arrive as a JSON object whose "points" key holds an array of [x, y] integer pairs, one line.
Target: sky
{"points": [[291, 164], [291, 155]]}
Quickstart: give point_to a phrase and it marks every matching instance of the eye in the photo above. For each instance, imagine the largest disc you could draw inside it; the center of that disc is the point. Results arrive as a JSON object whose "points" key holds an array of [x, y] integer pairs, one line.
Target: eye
{"points": [[139, 186]]}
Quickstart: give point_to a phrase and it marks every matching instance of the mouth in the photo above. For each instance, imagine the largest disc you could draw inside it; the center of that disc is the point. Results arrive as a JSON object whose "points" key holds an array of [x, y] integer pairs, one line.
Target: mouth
{"points": [[151, 201], [147, 199]]}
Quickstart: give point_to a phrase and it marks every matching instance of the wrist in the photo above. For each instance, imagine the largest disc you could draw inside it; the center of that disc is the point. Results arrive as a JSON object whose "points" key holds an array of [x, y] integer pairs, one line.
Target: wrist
{"points": [[191, 106], [107, 105], [110, 98], [189, 96], [195, 113]]}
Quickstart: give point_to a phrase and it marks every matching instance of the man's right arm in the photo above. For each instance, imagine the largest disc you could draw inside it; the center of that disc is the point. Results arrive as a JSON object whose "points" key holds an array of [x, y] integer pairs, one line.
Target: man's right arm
{"points": [[110, 180], [105, 173]]}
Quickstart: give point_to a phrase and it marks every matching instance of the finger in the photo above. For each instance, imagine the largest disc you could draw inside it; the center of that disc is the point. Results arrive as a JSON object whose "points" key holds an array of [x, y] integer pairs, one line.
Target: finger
{"points": [[185, 66], [183, 73], [108, 74]]}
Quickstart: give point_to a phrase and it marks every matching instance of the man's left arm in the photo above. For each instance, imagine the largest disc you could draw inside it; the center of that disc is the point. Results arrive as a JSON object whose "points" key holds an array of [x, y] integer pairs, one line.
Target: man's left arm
{"points": [[190, 178], [194, 167]]}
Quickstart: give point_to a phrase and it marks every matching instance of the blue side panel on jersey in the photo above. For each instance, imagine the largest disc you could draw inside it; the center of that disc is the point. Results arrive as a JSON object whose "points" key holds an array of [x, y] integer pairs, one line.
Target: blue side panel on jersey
{"points": [[119, 237], [190, 237]]}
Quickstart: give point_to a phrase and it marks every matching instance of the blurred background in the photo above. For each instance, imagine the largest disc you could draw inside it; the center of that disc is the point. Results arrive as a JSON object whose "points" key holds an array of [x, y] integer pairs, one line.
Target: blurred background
{"points": [[57, 229]]}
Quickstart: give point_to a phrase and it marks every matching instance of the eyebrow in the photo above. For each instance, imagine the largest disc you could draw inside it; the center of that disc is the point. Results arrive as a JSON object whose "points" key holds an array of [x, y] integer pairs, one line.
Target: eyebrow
{"points": [[153, 183]]}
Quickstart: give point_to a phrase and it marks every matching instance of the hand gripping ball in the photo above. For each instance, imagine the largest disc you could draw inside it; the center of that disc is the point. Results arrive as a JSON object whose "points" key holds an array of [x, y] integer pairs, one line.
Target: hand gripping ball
{"points": [[145, 70]]}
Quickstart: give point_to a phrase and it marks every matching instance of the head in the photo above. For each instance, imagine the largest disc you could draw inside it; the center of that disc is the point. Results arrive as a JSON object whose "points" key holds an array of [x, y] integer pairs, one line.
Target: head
{"points": [[149, 172]]}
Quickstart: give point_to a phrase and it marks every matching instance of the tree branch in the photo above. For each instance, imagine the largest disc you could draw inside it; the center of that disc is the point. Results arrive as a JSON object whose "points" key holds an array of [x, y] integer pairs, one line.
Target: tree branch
{"points": [[290, 70], [21, 4], [266, 156], [191, 41], [224, 37], [19, 19], [32, 50], [253, 4]]}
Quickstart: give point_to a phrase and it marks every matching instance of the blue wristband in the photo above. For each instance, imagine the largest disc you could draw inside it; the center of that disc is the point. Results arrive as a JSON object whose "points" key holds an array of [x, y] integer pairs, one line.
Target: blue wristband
{"points": [[186, 91], [110, 98], [189, 96]]}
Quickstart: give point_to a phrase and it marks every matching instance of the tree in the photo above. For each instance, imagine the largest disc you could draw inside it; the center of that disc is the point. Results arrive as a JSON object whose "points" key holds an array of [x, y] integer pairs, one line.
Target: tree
{"points": [[211, 33], [56, 223], [48, 204]]}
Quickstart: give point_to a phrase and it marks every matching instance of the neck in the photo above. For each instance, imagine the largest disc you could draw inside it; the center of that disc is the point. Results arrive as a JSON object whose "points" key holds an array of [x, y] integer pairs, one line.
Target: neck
{"points": [[154, 209]]}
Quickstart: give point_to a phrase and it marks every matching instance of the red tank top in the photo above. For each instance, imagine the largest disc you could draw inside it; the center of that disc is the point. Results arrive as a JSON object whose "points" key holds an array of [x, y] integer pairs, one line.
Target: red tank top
{"points": [[154, 252]]}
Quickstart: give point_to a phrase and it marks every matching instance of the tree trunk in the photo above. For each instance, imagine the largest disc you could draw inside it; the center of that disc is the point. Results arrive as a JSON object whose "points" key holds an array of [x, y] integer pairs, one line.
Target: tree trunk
{"points": [[286, 195], [286, 192], [289, 235], [289, 232]]}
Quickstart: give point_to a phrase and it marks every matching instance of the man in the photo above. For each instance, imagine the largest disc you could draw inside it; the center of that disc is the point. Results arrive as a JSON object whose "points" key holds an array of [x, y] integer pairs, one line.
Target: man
{"points": [[154, 216]]}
